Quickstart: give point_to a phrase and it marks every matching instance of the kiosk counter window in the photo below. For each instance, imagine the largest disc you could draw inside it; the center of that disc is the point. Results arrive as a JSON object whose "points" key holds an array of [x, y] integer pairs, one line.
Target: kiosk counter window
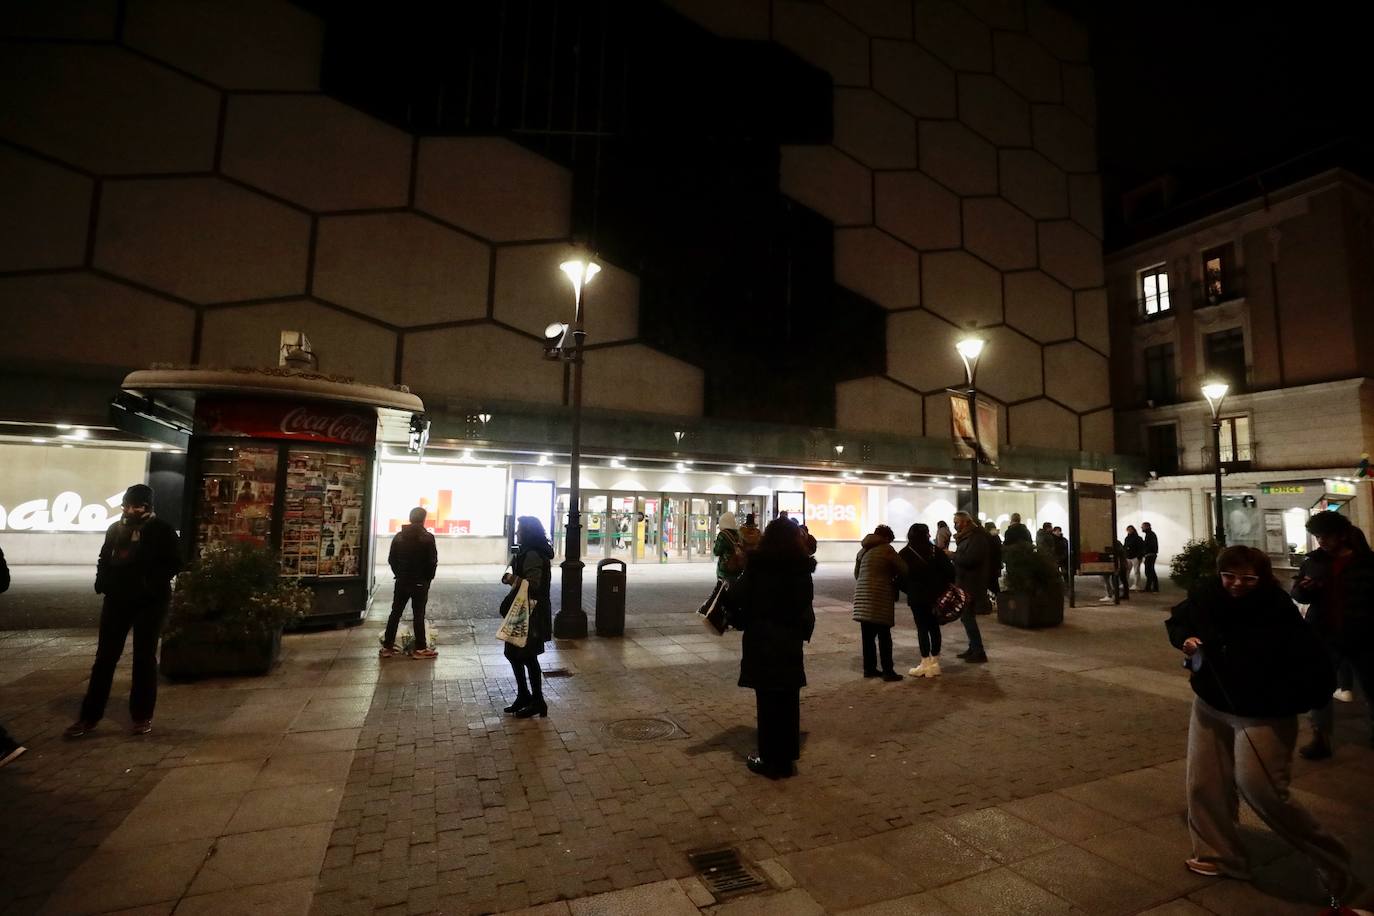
{"points": [[238, 490]]}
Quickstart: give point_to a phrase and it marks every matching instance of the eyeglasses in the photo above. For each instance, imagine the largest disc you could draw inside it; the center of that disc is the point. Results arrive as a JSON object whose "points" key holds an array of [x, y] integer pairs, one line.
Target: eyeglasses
{"points": [[1232, 578]]}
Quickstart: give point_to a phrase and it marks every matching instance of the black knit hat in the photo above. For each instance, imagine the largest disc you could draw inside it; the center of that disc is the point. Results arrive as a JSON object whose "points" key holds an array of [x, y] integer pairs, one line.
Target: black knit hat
{"points": [[140, 494]]}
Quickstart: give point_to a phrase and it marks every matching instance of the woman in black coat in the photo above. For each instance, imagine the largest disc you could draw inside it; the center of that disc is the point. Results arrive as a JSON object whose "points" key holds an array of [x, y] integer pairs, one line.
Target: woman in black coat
{"points": [[771, 603], [531, 564], [1256, 664], [929, 573]]}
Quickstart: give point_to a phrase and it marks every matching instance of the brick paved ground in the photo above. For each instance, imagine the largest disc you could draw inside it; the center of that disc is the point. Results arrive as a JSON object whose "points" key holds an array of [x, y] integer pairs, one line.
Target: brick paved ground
{"points": [[1046, 781]]}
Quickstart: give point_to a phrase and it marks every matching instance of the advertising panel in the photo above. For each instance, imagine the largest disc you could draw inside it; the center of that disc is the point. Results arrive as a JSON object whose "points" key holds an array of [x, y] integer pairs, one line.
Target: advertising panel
{"points": [[836, 512], [460, 500], [47, 488], [341, 425], [535, 497], [967, 438]]}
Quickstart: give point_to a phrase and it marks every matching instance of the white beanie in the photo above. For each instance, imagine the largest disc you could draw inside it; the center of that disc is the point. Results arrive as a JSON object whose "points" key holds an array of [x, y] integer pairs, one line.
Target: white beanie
{"points": [[727, 522]]}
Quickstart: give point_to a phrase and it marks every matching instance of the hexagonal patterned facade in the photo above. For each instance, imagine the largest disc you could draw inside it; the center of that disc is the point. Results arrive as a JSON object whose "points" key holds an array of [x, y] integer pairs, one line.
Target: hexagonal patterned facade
{"points": [[998, 223]]}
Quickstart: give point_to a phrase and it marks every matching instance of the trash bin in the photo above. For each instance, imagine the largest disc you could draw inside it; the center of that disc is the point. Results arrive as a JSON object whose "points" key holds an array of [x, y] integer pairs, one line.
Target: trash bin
{"points": [[610, 598]]}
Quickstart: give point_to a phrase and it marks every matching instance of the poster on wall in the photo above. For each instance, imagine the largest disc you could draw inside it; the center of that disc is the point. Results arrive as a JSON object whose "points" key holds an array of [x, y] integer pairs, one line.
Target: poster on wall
{"points": [[968, 439], [461, 500], [836, 512]]}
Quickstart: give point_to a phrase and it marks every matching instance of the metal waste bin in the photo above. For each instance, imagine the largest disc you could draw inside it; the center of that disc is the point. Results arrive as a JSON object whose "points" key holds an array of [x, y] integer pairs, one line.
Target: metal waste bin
{"points": [[610, 598]]}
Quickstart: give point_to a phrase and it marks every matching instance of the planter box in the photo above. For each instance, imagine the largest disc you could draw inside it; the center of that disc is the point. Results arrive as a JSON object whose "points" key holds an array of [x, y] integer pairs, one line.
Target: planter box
{"points": [[1019, 609], [187, 656]]}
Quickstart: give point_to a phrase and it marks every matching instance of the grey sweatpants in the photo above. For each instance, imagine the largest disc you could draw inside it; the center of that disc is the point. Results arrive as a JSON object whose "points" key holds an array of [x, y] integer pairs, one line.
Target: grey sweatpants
{"points": [[1222, 761]]}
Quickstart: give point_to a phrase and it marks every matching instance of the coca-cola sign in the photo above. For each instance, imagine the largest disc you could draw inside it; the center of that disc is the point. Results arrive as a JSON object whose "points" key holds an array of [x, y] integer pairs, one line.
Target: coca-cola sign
{"points": [[344, 425]]}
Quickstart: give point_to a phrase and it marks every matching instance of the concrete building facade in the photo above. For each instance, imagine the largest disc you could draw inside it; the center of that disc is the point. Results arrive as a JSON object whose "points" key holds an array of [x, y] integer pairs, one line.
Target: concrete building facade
{"points": [[1270, 296]]}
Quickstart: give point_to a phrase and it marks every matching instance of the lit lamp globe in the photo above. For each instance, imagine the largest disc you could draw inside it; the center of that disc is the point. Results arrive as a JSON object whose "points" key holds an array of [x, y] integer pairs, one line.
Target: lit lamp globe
{"points": [[580, 273], [1215, 392], [970, 348]]}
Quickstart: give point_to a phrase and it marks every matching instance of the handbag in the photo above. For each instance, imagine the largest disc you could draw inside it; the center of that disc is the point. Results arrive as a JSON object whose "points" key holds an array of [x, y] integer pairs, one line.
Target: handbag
{"points": [[712, 610], [950, 605], [515, 628], [514, 587]]}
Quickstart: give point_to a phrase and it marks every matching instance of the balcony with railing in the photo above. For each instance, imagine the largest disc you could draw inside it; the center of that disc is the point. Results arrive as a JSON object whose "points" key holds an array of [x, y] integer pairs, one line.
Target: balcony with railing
{"points": [[1210, 293], [1234, 458]]}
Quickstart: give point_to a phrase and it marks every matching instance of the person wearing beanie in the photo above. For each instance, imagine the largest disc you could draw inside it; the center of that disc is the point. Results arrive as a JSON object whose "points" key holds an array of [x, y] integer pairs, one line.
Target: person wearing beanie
{"points": [[140, 557]]}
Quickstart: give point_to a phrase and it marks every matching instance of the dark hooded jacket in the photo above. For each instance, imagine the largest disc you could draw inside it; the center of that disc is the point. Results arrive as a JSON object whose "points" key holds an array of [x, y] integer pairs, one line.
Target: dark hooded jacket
{"points": [[532, 564], [414, 557], [929, 573], [1259, 658], [771, 603], [1340, 608], [1016, 533]]}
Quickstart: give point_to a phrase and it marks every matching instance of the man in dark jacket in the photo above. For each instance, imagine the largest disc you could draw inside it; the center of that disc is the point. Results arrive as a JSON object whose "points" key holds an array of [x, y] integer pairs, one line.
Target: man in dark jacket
{"points": [[414, 558], [972, 571], [140, 557], [1016, 532], [1336, 581], [1151, 554], [1044, 540]]}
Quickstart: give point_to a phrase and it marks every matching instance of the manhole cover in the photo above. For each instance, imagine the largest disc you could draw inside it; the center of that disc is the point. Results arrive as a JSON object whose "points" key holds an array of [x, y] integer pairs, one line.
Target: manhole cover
{"points": [[723, 873], [645, 729]]}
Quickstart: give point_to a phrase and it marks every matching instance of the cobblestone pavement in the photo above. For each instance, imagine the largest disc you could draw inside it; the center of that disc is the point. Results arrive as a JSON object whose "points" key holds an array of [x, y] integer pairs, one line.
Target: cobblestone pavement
{"points": [[1046, 781]]}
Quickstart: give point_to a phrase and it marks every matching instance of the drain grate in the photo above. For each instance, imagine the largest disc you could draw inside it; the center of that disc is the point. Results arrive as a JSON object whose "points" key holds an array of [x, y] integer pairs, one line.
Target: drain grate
{"points": [[724, 874], [644, 729], [557, 672]]}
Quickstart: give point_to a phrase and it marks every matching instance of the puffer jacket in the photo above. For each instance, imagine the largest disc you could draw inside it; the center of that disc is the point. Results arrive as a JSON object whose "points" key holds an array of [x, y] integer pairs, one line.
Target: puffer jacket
{"points": [[877, 570]]}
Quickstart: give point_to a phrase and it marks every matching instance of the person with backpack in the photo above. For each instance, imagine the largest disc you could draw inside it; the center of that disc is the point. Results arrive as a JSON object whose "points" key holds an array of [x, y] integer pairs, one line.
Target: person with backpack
{"points": [[1236, 630], [414, 559], [877, 570], [728, 549], [928, 573]]}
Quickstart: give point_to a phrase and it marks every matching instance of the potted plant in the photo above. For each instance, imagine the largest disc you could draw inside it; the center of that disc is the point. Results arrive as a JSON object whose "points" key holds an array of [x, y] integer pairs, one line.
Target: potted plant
{"points": [[1034, 593], [1196, 562], [227, 613]]}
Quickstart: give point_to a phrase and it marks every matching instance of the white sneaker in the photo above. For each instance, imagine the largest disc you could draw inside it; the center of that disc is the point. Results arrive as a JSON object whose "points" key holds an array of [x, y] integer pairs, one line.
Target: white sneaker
{"points": [[1105, 599], [933, 668], [919, 670], [1345, 696]]}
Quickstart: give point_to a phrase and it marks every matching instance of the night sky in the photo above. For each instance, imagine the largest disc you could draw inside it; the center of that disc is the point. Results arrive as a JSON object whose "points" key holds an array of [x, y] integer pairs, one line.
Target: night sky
{"points": [[1215, 91]]}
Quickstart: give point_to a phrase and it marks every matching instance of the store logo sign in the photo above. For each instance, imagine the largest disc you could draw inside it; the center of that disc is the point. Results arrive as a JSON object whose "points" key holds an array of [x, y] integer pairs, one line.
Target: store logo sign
{"points": [[66, 512], [833, 512], [344, 427]]}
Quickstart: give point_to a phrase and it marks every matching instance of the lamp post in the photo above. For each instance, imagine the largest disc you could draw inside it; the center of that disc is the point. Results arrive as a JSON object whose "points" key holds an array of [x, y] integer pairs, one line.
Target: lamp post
{"points": [[571, 621], [1215, 393], [970, 349]]}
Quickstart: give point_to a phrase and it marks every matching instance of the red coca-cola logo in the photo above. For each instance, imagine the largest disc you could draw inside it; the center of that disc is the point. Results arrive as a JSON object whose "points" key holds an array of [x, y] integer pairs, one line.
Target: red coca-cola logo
{"points": [[350, 428]]}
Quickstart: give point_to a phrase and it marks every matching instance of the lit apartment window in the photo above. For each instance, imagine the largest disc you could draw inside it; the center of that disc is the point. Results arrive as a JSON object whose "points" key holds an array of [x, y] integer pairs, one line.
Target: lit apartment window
{"points": [[1218, 274], [1154, 291], [1235, 440], [1161, 384]]}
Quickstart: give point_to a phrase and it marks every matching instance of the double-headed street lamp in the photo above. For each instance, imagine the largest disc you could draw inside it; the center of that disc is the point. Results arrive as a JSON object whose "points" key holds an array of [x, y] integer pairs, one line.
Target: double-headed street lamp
{"points": [[571, 620], [1215, 392], [970, 349]]}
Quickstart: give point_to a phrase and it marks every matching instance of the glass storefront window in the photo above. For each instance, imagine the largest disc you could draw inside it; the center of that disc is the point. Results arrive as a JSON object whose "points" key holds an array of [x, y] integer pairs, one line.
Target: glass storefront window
{"points": [[238, 491], [462, 500], [322, 518]]}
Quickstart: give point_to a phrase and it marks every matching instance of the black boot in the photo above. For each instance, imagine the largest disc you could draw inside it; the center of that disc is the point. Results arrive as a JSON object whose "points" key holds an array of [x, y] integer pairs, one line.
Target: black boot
{"points": [[535, 707], [521, 700]]}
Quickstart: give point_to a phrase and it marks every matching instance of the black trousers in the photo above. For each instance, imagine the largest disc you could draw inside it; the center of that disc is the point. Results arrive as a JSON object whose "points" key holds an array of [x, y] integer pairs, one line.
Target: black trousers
{"points": [[779, 717], [927, 631], [868, 632], [417, 593], [117, 618], [1151, 579]]}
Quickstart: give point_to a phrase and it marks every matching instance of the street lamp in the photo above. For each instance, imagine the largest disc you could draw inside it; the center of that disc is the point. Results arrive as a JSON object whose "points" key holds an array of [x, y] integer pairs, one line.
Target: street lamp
{"points": [[571, 621], [1215, 393], [970, 349]]}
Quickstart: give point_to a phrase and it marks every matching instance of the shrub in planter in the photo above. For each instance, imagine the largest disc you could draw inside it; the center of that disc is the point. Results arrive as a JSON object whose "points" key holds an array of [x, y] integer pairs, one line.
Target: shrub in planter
{"points": [[1196, 562], [1034, 593], [227, 613]]}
